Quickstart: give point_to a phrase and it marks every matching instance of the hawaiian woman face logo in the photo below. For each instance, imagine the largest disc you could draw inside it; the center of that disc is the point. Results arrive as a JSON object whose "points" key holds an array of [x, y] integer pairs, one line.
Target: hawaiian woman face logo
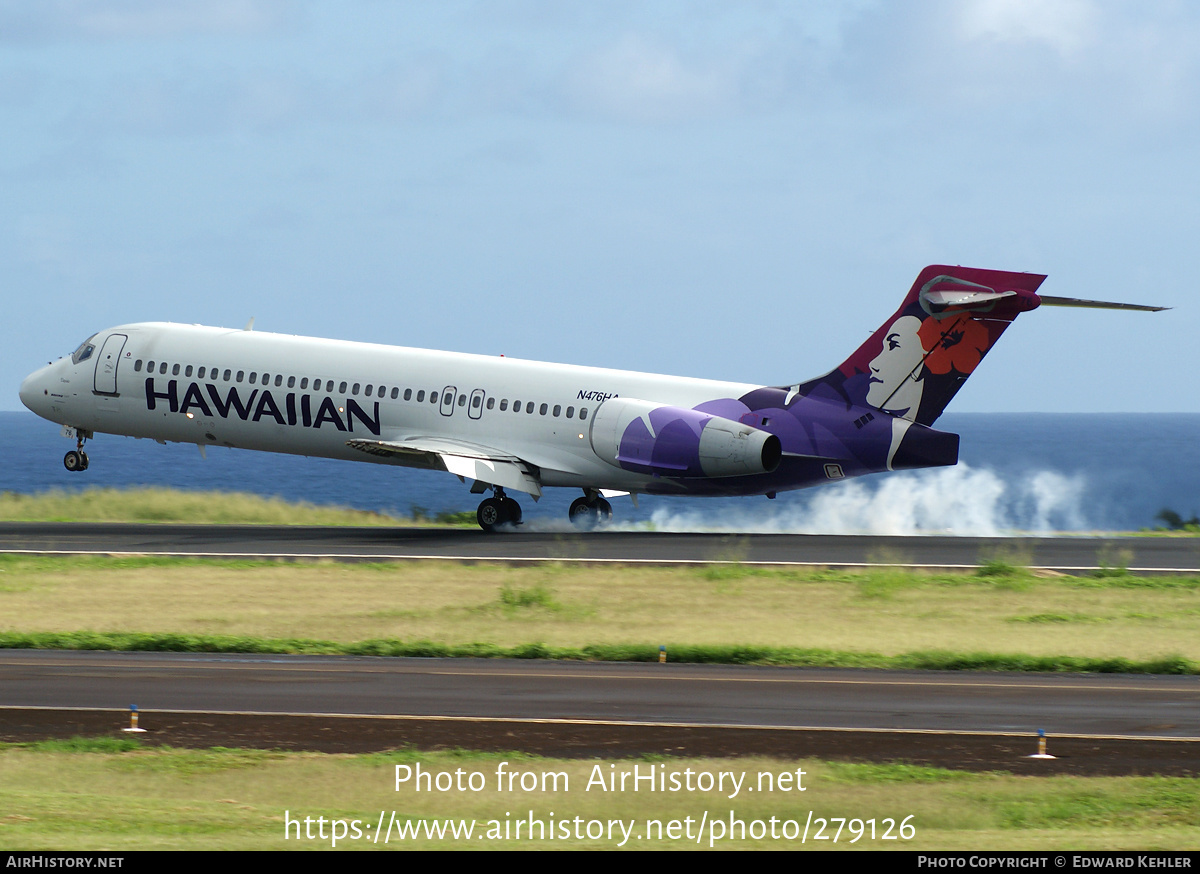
{"points": [[895, 385]]}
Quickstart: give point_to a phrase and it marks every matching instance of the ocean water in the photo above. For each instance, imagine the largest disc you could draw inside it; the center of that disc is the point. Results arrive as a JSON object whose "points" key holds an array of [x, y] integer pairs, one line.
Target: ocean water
{"points": [[1017, 473]]}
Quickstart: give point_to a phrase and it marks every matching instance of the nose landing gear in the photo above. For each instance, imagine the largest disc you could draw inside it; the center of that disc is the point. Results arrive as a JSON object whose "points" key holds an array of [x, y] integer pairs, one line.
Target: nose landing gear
{"points": [[76, 459], [498, 510]]}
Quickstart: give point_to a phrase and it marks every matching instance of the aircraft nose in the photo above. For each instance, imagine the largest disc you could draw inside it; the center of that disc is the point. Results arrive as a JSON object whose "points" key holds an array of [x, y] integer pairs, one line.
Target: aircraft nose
{"points": [[27, 391], [33, 391]]}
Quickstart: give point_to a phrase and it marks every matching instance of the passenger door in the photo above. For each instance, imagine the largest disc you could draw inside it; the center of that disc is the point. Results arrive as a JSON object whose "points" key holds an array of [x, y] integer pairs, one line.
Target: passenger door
{"points": [[105, 382], [449, 396], [475, 410]]}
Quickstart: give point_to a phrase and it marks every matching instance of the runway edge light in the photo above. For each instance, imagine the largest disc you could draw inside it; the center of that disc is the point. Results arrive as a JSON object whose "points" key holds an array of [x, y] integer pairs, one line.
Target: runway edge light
{"points": [[1041, 753], [133, 719]]}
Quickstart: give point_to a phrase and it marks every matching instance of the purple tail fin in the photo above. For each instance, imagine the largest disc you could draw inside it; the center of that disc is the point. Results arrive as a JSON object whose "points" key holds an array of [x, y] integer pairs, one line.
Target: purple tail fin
{"points": [[918, 359]]}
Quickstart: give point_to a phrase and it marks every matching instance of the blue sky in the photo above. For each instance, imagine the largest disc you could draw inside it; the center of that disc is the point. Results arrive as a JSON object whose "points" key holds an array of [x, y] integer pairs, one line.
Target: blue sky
{"points": [[729, 190]]}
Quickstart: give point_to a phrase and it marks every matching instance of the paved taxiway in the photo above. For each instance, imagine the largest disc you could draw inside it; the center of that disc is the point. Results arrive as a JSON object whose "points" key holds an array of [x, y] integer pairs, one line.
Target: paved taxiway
{"points": [[1115, 705], [1098, 724], [1066, 554]]}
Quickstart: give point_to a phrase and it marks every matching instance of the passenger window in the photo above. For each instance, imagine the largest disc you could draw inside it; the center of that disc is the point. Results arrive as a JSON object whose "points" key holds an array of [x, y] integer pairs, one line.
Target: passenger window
{"points": [[149, 366], [227, 372], [491, 403], [240, 374], [354, 391], [291, 382], [557, 410], [543, 410], [504, 405], [200, 373], [187, 371], [162, 368], [516, 406], [342, 389], [175, 370], [279, 380], [137, 366], [420, 396], [396, 393], [253, 377], [570, 412], [304, 382], [462, 400], [582, 413], [433, 397], [408, 394], [475, 402]]}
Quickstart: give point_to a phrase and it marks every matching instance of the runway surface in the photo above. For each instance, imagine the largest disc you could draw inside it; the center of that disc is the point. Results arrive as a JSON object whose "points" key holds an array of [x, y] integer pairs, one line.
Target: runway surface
{"points": [[1064, 554]]}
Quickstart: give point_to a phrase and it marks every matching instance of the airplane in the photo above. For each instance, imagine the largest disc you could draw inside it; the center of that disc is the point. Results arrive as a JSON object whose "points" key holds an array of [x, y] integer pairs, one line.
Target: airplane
{"points": [[511, 425]]}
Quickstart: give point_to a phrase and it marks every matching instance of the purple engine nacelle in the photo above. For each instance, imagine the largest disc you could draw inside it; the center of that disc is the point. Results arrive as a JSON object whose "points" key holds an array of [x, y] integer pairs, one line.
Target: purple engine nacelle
{"points": [[672, 441]]}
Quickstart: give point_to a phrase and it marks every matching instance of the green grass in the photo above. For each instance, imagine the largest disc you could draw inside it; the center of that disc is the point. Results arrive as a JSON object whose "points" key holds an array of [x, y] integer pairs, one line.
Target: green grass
{"points": [[686, 653], [750, 615], [153, 504], [85, 794]]}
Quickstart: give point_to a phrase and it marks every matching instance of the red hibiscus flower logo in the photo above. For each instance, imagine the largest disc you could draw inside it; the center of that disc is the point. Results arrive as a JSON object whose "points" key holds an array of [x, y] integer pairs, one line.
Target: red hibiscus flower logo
{"points": [[958, 342]]}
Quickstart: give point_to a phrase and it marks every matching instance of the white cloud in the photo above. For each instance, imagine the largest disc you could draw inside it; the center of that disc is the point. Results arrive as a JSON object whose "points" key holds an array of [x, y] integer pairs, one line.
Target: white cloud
{"points": [[639, 79], [51, 20], [1067, 26]]}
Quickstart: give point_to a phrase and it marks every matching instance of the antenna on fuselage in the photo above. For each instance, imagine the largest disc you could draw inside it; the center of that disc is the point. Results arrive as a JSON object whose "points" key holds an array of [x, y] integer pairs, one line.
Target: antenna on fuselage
{"points": [[249, 325]]}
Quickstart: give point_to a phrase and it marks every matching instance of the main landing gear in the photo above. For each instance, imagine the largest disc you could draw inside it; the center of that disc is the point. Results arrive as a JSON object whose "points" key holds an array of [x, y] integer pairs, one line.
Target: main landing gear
{"points": [[590, 510], [498, 510], [587, 512], [76, 459]]}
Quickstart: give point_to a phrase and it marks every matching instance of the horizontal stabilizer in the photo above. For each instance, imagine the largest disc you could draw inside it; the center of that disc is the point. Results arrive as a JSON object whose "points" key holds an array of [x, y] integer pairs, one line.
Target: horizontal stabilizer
{"points": [[964, 299], [1096, 304]]}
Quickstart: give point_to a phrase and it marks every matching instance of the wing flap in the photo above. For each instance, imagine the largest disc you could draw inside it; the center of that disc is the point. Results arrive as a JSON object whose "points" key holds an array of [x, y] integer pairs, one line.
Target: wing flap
{"points": [[460, 458], [506, 474]]}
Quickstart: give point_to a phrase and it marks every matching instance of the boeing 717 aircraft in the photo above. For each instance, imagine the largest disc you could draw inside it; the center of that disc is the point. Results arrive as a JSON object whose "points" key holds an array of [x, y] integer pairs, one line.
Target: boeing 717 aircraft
{"points": [[508, 425]]}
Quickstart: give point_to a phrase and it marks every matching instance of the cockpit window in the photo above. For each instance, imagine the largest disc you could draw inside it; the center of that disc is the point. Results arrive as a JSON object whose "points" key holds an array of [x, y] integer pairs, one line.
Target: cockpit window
{"points": [[85, 350]]}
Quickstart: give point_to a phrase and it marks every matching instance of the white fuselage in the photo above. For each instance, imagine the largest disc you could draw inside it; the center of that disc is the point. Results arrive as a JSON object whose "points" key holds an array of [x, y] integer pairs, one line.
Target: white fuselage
{"points": [[206, 387]]}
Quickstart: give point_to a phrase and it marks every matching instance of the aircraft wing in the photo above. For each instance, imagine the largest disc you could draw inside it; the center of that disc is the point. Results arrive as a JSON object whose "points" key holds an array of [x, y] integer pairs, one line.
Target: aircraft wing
{"points": [[468, 460]]}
